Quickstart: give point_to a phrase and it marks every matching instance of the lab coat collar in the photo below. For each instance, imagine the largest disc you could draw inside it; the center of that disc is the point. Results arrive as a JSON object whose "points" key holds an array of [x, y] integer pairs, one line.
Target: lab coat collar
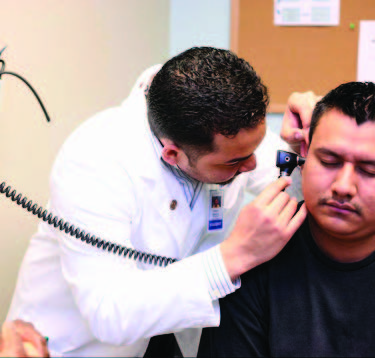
{"points": [[143, 82]]}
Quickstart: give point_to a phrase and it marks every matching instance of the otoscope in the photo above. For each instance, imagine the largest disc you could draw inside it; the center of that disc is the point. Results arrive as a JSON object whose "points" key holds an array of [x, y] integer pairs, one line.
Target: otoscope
{"points": [[287, 162]]}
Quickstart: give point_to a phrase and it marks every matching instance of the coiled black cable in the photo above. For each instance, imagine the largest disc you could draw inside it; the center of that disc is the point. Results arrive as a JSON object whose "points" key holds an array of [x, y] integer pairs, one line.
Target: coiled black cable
{"points": [[60, 224]]}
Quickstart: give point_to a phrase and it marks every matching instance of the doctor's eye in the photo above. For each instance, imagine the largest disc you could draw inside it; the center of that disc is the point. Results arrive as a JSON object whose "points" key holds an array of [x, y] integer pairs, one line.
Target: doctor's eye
{"points": [[232, 164]]}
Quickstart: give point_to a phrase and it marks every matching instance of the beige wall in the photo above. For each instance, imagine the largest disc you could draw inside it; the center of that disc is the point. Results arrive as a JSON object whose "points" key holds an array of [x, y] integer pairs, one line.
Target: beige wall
{"points": [[81, 56]]}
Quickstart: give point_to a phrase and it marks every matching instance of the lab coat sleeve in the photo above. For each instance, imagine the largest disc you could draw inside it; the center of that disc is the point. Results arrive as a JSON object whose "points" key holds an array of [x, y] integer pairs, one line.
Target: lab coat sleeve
{"points": [[121, 302], [266, 171]]}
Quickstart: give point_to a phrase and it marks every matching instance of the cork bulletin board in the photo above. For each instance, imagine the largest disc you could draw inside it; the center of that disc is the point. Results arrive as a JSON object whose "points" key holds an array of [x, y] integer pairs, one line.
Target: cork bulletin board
{"points": [[298, 58]]}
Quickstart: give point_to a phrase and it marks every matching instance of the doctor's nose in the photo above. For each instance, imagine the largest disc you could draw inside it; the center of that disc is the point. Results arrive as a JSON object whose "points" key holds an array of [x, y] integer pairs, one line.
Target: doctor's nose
{"points": [[248, 165], [345, 182]]}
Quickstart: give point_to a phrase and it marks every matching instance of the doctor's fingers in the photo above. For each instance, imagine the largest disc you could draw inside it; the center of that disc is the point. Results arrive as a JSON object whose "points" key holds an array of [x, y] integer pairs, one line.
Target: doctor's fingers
{"points": [[268, 195], [292, 219], [302, 104], [307, 108], [278, 205], [297, 116]]}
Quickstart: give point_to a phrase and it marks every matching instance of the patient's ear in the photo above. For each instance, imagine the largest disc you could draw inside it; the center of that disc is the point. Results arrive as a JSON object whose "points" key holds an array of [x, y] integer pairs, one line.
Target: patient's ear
{"points": [[304, 152], [304, 149]]}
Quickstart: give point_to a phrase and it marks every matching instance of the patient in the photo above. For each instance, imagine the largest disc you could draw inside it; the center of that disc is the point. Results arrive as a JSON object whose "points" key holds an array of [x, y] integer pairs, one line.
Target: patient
{"points": [[317, 297]]}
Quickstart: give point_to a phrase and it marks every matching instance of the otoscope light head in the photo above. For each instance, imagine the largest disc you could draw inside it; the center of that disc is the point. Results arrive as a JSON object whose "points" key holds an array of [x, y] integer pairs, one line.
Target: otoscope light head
{"points": [[287, 161]]}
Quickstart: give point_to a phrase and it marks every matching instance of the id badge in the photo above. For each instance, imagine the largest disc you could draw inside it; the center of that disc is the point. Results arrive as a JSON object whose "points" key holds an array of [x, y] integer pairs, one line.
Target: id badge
{"points": [[215, 210]]}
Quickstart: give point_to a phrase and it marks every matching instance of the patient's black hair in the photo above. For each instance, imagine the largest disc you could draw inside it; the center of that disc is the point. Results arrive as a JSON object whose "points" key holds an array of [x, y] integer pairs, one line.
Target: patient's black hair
{"points": [[354, 99]]}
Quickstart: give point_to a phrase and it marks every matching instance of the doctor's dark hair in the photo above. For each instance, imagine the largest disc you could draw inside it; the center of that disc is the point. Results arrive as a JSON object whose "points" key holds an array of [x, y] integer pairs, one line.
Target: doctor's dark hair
{"points": [[202, 92], [354, 99]]}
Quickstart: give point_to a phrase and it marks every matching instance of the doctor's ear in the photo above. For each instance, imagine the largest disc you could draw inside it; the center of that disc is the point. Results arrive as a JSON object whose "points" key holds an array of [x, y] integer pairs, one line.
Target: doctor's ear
{"points": [[170, 152]]}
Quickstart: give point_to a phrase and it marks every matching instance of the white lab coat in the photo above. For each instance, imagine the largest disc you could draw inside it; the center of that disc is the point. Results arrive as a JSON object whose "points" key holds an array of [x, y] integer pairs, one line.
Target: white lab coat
{"points": [[108, 180]]}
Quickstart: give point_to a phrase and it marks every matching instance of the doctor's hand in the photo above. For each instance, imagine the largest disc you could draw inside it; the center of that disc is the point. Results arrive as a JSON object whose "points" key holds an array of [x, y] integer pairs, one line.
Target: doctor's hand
{"points": [[262, 229], [297, 118], [21, 339]]}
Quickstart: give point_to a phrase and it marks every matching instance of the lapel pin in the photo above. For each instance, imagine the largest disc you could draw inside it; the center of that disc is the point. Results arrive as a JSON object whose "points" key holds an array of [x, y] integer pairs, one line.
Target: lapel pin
{"points": [[173, 204]]}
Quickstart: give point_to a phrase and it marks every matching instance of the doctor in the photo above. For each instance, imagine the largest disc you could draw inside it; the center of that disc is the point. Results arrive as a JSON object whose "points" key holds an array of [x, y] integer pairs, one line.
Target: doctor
{"points": [[143, 175]]}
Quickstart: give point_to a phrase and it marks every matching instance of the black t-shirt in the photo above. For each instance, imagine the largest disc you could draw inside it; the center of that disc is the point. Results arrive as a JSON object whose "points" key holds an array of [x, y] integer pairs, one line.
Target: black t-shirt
{"points": [[301, 303]]}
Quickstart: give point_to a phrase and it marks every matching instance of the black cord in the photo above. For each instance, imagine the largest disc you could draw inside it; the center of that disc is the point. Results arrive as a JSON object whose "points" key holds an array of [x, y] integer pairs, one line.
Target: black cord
{"points": [[30, 87], [81, 234]]}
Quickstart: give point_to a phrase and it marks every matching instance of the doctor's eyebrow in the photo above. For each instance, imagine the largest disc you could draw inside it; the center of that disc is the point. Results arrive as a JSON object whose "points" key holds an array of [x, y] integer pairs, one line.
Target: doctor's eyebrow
{"points": [[235, 160]]}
